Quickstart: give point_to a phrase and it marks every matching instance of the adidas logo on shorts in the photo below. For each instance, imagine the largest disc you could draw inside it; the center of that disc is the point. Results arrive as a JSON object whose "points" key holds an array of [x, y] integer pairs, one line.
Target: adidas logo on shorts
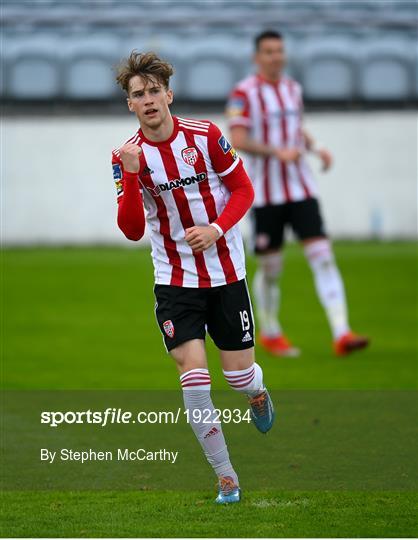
{"points": [[247, 337]]}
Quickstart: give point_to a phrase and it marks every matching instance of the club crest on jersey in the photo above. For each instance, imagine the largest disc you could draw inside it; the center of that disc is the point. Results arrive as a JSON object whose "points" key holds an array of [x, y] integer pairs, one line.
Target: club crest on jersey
{"points": [[224, 144], [169, 328], [189, 155]]}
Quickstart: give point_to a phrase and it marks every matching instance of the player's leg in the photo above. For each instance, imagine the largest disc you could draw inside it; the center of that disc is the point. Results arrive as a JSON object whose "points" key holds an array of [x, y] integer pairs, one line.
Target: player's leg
{"points": [[267, 293], [249, 381], [231, 326], [269, 225], [308, 223], [181, 314], [190, 358], [242, 372]]}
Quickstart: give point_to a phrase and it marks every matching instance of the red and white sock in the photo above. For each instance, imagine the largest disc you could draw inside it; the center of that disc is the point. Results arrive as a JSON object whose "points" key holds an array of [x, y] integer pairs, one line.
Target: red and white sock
{"points": [[248, 381], [329, 285], [195, 379], [197, 400]]}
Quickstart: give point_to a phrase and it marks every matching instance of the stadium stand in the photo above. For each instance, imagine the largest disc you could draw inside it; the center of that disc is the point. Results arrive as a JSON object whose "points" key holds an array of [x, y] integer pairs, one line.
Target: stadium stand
{"points": [[210, 73], [341, 51], [327, 69], [32, 68], [88, 62], [386, 71]]}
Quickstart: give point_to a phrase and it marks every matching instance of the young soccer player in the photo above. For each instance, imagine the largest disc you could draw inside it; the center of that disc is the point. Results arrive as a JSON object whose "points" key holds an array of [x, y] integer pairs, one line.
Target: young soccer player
{"points": [[265, 114], [195, 190]]}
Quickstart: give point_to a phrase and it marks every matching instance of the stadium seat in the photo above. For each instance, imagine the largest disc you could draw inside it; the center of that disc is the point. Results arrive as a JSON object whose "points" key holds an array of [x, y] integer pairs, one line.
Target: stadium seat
{"points": [[386, 70], [32, 68], [89, 63], [212, 78], [214, 64], [416, 72], [350, 6], [292, 45], [213, 67], [300, 9], [328, 69], [243, 64]]}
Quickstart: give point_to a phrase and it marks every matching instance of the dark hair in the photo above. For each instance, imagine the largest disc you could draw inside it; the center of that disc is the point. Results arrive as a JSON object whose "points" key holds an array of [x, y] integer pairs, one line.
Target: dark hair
{"points": [[147, 65], [267, 34]]}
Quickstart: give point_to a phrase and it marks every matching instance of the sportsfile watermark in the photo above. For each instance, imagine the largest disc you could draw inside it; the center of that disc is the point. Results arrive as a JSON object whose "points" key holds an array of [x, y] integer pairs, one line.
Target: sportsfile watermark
{"points": [[113, 415], [139, 439]]}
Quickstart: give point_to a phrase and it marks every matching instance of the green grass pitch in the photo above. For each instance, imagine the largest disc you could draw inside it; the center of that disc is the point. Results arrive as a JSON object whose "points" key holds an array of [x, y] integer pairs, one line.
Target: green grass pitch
{"points": [[82, 318]]}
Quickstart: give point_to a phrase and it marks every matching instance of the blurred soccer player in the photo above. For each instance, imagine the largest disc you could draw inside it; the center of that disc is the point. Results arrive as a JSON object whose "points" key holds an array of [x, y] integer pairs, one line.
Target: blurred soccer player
{"points": [[195, 190], [265, 115]]}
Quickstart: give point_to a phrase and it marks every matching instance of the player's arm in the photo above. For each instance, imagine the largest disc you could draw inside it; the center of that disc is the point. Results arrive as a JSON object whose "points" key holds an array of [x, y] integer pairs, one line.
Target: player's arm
{"points": [[242, 197], [241, 139], [238, 113], [230, 169], [308, 140], [131, 217], [324, 155]]}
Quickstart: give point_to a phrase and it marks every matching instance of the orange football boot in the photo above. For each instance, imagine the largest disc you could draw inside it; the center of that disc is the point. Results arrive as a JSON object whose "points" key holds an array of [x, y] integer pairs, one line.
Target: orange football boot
{"points": [[278, 346], [349, 343]]}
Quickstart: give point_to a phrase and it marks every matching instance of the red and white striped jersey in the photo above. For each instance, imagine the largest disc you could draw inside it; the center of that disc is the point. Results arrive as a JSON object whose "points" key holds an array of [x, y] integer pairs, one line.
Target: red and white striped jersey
{"points": [[273, 114], [181, 185]]}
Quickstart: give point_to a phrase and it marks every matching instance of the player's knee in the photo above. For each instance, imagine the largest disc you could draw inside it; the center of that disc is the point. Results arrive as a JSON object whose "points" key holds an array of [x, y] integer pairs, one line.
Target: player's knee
{"points": [[271, 265], [189, 355], [319, 253], [237, 360]]}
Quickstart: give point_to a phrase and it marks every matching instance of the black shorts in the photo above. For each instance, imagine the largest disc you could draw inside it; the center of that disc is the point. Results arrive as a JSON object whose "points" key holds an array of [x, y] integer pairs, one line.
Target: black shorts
{"points": [[270, 221], [185, 313]]}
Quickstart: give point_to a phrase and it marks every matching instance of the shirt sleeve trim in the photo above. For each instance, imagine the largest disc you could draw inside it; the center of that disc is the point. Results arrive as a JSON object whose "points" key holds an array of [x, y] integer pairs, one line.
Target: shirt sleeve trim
{"points": [[229, 169], [218, 228]]}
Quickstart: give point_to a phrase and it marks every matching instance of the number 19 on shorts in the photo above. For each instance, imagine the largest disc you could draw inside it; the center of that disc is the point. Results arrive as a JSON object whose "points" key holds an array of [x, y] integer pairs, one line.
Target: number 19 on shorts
{"points": [[245, 320]]}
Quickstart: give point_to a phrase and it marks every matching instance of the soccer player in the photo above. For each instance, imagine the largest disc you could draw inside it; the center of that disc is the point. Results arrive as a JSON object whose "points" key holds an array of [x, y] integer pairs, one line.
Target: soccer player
{"points": [[265, 114], [195, 190]]}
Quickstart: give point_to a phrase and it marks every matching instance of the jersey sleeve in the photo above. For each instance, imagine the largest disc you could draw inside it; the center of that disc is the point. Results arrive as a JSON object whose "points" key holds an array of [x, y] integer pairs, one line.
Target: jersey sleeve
{"points": [[242, 197], [131, 217], [238, 109], [223, 156]]}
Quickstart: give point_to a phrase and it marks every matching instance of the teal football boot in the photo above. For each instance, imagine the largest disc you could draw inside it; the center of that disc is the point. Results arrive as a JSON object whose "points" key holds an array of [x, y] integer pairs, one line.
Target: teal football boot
{"points": [[262, 411], [228, 491]]}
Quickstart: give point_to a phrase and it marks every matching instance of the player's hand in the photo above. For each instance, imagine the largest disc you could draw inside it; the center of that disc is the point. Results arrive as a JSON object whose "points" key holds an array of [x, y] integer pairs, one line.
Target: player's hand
{"points": [[308, 139], [201, 238], [325, 157], [129, 154], [287, 155]]}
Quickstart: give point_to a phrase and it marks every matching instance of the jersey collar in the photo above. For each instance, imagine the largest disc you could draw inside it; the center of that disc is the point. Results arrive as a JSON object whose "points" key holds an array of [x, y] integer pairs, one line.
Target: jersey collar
{"points": [[261, 80], [167, 141]]}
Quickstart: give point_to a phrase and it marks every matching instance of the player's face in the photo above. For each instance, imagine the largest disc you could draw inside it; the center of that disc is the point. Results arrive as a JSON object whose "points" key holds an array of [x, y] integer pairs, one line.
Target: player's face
{"points": [[149, 100], [271, 57]]}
